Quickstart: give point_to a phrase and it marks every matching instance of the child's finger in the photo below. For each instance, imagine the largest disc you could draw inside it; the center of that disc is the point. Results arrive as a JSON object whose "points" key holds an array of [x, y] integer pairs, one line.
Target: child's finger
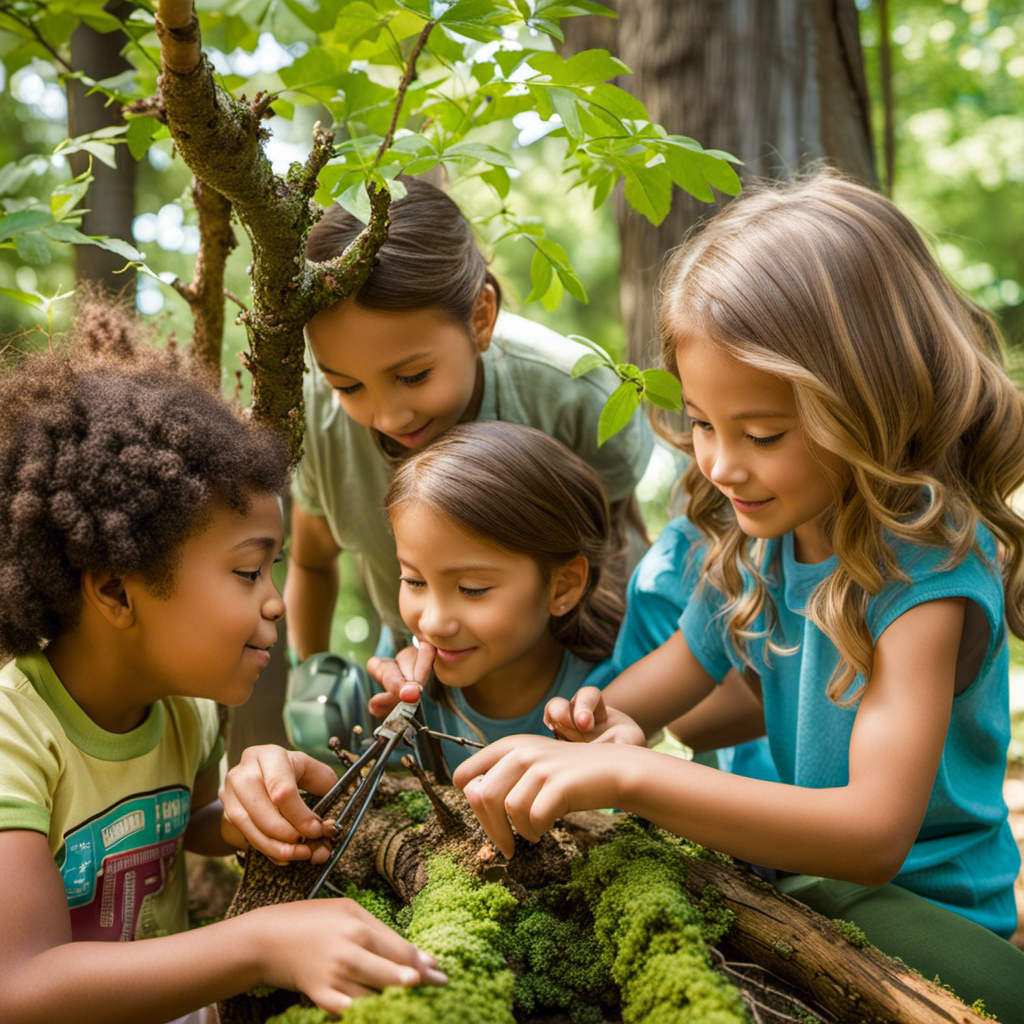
{"points": [[558, 718], [423, 663], [588, 708]]}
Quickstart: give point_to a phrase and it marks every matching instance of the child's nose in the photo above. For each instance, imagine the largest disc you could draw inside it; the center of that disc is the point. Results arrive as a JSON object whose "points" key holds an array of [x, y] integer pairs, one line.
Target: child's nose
{"points": [[392, 417], [727, 467], [437, 621], [273, 607]]}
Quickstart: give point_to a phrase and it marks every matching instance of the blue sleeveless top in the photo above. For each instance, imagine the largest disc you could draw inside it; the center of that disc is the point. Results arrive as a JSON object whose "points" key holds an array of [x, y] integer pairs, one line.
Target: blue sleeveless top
{"points": [[964, 857]]}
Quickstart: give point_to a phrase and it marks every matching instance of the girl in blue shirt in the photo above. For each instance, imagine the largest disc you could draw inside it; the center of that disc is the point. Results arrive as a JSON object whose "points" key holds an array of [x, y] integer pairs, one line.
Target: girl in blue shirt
{"points": [[855, 442]]}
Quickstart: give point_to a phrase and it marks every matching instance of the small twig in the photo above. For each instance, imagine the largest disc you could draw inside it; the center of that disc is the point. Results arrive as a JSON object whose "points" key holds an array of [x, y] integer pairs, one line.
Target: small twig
{"points": [[407, 79], [39, 38], [447, 818], [236, 300]]}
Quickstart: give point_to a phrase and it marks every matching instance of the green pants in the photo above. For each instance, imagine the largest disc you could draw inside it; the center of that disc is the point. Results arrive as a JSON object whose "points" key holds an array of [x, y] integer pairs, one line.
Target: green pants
{"points": [[975, 962]]}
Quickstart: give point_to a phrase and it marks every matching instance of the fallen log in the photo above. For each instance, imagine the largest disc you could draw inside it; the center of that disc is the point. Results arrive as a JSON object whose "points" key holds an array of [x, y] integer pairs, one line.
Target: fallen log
{"points": [[839, 977]]}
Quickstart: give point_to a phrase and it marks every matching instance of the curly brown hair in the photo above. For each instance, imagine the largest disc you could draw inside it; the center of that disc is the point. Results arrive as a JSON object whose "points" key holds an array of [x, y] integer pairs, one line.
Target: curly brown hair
{"points": [[111, 451]]}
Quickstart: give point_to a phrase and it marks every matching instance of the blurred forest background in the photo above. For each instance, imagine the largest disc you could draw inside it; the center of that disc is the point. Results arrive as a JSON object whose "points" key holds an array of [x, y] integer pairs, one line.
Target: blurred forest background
{"points": [[937, 87]]}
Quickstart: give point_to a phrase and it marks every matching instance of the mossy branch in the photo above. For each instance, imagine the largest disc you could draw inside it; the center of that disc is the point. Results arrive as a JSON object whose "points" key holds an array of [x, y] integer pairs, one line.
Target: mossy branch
{"points": [[221, 139]]}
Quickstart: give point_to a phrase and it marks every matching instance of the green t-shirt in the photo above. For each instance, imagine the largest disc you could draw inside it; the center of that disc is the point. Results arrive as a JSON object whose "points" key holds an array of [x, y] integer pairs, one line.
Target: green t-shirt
{"points": [[113, 806], [343, 475]]}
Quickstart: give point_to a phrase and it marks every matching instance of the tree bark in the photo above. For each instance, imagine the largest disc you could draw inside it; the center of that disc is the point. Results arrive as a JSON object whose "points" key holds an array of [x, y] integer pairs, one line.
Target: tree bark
{"points": [[110, 201], [777, 83]]}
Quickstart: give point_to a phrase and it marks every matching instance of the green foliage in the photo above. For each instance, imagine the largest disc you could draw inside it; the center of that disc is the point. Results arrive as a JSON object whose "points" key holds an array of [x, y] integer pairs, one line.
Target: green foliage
{"points": [[559, 963], [849, 931], [458, 920], [414, 805], [958, 83], [653, 933], [659, 387], [482, 63]]}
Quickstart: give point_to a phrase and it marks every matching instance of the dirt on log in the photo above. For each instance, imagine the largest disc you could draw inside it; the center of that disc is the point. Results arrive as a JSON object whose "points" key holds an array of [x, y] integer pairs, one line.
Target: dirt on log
{"points": [[815, 960]]}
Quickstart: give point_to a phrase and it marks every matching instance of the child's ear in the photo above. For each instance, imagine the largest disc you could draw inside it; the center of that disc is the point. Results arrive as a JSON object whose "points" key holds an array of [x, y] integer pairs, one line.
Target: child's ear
{"points": [[108, 594], [484, 316], [567, 585]]}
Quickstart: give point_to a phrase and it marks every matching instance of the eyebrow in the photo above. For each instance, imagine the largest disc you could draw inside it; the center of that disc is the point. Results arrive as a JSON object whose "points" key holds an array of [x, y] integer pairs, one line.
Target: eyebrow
{"points": [[387, 369], [455, 570], [262, 543], [752, 414]]}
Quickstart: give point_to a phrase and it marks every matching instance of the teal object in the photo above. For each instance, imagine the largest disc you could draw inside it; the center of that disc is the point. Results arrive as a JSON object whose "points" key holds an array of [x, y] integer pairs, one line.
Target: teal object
{"points": [[327, 696]]}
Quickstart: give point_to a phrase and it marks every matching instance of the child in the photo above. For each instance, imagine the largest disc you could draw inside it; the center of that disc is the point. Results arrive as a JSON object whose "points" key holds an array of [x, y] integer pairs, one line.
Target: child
{"points": [[855, 442], [418, 349], [139, 520], [503, 542]]}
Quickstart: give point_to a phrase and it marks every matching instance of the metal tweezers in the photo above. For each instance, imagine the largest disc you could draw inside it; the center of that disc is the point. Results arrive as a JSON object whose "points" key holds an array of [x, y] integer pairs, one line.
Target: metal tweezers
{"points": [[397, 727]]}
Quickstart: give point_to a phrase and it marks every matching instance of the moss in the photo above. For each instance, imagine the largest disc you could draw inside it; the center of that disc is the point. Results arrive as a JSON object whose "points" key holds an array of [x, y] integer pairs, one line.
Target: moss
{"points": [[302, 1015], [376, 901], [849, 931], [978, 1006], [459, 920], [413, 804], [559, 964], [783, 949], [717, 917], [653, 934]]}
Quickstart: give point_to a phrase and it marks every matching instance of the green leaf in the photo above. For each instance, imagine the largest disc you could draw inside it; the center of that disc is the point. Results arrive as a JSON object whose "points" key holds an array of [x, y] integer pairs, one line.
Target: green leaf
{"points": [[64, 198], [140, 135], [719, 173], [541, 275], [552, 298], [684, 166], [479, 151], [593, 346], [585, 68], [627, 371], [587, 362], [662, 389], [66, 234], [25, 298], [356, 201], [649, 190], [617, 411], [22, 221], [33, 249], [498, 179], [566, 105], [118, 246]]}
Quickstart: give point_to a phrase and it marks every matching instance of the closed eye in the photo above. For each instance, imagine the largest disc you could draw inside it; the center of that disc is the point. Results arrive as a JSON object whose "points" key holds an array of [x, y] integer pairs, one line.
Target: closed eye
{"points": [[347, 389], [410, 582], [414, 379], [767, 441], [701, 424], [474, 591], [252, 576]]}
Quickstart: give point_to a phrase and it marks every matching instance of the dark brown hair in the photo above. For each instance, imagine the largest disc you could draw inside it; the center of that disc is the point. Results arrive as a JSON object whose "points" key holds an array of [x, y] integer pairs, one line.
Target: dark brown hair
{"points": [[523, 490], [430, 258], [111, 451]]}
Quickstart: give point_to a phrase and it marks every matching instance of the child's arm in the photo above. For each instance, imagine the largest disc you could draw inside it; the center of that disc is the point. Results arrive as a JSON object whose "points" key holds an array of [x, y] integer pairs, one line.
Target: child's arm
{"points": [[860, 832], [311, 587], [332, 950], [204, 834]]}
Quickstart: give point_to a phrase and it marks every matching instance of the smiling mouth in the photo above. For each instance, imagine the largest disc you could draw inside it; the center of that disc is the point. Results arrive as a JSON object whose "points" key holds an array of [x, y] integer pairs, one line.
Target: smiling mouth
{"points": [[453, 654], [749, 506], [412, 436]]}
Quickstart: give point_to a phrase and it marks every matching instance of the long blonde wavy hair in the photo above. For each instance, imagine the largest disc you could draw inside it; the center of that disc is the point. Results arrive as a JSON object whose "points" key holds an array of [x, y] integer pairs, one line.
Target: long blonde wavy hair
{"points": [[826, 284]]}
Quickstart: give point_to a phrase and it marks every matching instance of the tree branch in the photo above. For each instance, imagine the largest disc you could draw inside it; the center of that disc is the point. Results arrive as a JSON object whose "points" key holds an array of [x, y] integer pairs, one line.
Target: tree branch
{"points": [[408, 78]]}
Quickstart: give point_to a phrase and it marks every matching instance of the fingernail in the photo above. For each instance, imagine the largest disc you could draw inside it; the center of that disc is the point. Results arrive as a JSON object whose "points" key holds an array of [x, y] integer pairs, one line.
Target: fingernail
{"points": [[409, 976], [346, 1001], [435, 977], [426, 958]]}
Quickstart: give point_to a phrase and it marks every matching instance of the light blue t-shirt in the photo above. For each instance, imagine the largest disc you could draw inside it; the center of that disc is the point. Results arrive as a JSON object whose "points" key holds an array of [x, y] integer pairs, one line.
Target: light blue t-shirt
{"points": [[572, 674], [964, 857], [658, 591]]}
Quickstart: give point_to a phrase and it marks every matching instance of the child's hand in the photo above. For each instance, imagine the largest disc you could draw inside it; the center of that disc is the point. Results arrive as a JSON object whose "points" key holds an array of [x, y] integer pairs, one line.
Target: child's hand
{"points": [[263, 808], [335, 951], [402, 677], [529, 782], [586, 718]]}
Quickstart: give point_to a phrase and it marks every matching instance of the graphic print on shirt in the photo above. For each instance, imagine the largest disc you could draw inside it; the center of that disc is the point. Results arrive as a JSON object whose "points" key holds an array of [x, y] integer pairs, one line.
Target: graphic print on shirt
{"points": [[117, 860]]}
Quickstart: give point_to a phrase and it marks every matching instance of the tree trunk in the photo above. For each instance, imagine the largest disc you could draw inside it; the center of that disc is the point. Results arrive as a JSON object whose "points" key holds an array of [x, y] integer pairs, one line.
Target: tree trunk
{"points": [[777, 83], [853, 984], [110, 200]]}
